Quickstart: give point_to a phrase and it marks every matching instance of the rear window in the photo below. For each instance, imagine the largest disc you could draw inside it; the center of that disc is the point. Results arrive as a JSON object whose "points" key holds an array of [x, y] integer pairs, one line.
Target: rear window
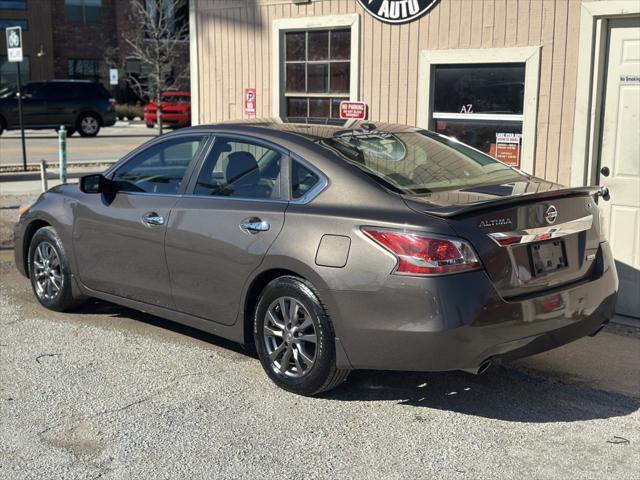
{"points": [[418, 162]]}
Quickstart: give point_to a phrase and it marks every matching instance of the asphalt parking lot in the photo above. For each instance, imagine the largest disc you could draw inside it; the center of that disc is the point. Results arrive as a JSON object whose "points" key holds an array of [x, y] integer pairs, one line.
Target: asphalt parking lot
{"points": [[107, 392], [111, 144]]}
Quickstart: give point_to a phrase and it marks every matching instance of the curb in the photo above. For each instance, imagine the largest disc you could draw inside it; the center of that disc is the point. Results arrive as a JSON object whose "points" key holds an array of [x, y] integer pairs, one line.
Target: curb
{"points": [[16, 168]]}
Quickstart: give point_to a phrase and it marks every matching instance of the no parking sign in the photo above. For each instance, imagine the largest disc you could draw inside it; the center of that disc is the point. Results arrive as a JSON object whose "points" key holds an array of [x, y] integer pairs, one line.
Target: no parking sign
{"points": [[250, 101]]}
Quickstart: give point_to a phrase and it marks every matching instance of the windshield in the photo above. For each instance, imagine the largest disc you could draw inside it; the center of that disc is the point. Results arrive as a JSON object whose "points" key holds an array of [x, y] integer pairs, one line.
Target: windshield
{"points": [[176, 99], [419, 162]]}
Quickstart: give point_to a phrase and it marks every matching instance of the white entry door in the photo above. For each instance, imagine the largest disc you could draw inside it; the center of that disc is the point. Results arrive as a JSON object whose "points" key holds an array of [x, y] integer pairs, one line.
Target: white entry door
{"points": [[621, 156]]}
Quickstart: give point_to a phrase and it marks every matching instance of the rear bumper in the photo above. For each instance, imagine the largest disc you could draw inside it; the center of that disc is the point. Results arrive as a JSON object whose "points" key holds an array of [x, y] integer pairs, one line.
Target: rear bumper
{"points": [[178, 120], [109, 119], [459, 322]]}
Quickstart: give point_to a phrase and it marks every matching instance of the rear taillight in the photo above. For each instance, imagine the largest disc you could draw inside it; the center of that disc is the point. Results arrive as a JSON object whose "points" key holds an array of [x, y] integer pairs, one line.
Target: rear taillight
{"points": [[425, 254], [112, 102]]}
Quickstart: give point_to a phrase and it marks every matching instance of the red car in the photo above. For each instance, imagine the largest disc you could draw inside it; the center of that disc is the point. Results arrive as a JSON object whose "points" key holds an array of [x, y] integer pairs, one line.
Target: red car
{"points": [[176, 110]]}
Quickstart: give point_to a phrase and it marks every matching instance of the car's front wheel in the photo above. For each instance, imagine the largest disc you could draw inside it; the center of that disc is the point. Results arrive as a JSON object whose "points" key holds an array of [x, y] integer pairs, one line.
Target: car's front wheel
{"points": [[88, 125], [294, 338], [49, 272]]}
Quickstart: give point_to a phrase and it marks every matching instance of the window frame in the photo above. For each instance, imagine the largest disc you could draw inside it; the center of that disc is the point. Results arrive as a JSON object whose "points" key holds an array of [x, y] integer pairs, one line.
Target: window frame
{"points": [[329, 22], [75, 62], [83, 8], [285, 194], [314, 191], [530, 56], [188, 174]]}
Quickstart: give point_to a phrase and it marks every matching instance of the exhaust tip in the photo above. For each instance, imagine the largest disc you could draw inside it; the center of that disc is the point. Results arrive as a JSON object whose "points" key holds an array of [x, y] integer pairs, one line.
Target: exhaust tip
{"points": [[484, 366]]}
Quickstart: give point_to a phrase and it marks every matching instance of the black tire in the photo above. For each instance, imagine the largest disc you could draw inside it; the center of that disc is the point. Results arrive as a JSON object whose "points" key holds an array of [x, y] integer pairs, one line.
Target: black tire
{"points": [[64, 299], [322, 375], [88, 125], [151, 125], [2, 127]]}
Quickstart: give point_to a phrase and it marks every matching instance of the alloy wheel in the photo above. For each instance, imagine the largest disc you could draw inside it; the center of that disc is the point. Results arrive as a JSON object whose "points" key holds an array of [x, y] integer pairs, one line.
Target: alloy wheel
{"points": [[47, 271], [290, 337], [89, 125]]}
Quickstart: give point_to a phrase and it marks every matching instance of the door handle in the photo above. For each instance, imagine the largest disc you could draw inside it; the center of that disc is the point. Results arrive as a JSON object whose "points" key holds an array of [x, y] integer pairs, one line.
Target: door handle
{"points": [[255, 225], [152, 218]]}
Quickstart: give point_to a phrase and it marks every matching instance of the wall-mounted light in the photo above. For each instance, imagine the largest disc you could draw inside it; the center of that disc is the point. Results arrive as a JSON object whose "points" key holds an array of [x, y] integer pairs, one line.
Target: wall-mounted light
{"points": [[41, 51]]}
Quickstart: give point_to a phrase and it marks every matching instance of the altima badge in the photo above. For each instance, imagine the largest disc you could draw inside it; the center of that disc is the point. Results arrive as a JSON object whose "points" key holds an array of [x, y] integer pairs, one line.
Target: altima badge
{"points": [[496, 222], [551, 214]]}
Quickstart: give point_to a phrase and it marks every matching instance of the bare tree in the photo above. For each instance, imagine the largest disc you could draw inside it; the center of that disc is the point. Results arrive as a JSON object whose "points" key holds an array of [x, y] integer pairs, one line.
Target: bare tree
{"points": [[156, 46]]}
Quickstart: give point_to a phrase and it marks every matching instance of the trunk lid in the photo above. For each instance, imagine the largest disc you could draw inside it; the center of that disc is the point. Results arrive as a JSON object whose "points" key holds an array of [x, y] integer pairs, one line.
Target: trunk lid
{"points": [[531, 236]]}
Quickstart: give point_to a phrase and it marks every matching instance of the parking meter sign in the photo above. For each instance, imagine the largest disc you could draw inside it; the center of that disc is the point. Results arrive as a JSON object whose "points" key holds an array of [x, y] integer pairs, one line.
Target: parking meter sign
{"points": [[14, 44]]}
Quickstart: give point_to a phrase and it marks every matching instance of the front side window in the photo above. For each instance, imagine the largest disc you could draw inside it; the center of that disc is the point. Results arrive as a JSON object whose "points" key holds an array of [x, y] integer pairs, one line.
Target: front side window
{"points": [[242, 169], [481, 105], [160, 168], [419, 162], [83, 11], [317, 69]]}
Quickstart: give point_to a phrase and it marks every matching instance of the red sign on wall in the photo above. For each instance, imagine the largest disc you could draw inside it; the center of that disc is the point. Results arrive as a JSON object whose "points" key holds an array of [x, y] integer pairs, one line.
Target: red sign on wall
{"points": [[357, 110], [250, 101]]}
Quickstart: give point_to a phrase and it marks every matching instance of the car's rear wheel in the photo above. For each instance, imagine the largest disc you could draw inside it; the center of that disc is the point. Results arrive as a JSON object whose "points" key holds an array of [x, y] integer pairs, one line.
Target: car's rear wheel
{"points": [[2, 127], [294, 338], [88, 125], [151, 125], [49, 272]]}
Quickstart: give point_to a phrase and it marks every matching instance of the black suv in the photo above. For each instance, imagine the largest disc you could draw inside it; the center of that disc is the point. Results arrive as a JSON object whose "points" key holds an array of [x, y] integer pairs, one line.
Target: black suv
{"points": [[79, 105]]}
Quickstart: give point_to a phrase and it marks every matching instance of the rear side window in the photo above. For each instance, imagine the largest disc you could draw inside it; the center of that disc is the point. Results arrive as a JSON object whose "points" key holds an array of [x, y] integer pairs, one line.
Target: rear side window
{"points": [[60, 90], [242, 169], [93, 90], [302, 180], [160, 168]]}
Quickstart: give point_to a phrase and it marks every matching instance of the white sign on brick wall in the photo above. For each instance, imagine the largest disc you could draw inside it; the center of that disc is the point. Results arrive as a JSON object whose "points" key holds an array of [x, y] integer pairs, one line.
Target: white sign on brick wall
{"points": [[14, 44]]}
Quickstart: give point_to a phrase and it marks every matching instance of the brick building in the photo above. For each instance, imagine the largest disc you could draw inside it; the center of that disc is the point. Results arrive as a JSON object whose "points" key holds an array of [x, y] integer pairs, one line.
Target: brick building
{"points": [[69, 38]]}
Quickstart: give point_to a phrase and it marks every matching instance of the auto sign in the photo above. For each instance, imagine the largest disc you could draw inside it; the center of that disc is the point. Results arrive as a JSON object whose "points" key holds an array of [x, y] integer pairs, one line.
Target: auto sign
{"points": [[397, 11]]}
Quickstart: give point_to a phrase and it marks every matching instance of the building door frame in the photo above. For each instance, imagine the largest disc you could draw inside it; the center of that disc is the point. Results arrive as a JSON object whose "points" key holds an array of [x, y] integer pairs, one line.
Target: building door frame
{"points": [[590, 94]]}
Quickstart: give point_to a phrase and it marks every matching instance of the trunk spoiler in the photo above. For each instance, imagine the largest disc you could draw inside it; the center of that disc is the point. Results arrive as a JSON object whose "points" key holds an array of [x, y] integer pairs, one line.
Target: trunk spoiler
{"points": [[450, 211]]}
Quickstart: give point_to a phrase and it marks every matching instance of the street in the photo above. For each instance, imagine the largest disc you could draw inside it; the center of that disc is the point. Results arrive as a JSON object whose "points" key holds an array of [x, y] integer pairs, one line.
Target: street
{"points": [[111, 144], [108, 392]]}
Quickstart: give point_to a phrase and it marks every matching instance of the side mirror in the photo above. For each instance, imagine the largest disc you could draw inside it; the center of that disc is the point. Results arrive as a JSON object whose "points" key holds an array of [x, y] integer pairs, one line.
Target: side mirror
{"points": [[93, 183]]}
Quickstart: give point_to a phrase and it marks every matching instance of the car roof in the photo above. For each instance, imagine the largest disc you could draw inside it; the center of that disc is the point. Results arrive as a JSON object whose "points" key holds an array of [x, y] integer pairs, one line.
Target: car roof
{"points": [[312, 132]]}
